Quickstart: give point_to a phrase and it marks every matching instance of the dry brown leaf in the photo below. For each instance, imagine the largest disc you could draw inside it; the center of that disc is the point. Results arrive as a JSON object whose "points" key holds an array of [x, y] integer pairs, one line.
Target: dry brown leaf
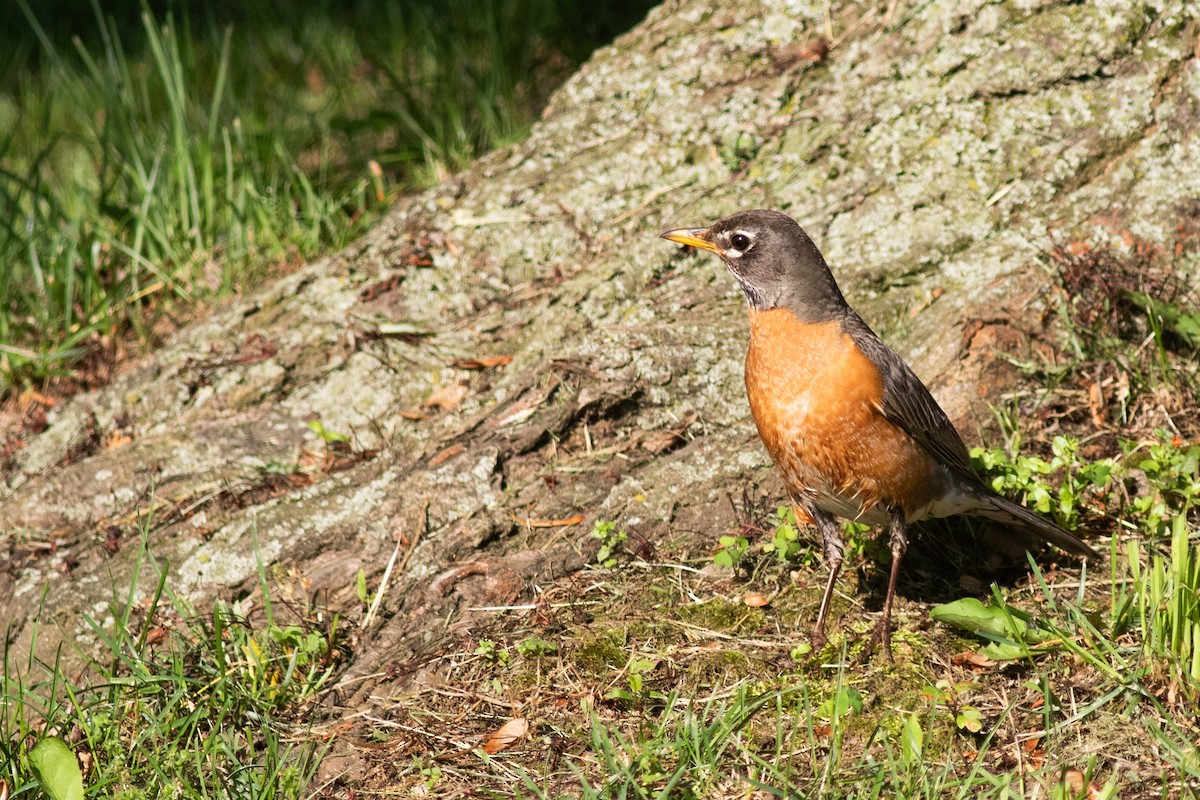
{"points": [[1075, 780], [414, 414], [754, 599], [976, 661], [485, 362], [442, 456], [30, 397], [659, 441], [656, 442], [117, 438], [446, 397], [1096, 403], [506, 736], [548, 523]]}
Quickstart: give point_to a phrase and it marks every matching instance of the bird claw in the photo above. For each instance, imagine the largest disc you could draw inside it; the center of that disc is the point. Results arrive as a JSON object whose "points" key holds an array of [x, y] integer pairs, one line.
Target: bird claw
{"points": [[881, 635]]}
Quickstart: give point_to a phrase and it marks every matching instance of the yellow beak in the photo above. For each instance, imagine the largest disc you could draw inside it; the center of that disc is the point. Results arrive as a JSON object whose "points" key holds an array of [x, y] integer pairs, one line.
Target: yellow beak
{"points": [[692, 237]]}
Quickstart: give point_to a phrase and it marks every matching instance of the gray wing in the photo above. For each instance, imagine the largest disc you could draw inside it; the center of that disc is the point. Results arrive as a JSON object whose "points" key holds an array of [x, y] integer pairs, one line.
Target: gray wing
{"points": [[909, 404]]}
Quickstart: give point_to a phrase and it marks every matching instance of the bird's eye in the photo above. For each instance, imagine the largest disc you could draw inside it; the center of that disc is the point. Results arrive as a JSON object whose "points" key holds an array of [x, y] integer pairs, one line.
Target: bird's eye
{"points": [[740, 241]]}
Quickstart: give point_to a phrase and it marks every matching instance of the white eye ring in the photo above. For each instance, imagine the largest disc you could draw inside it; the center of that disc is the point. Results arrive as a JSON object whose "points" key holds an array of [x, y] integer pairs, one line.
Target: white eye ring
{"points": [[740, 242]]}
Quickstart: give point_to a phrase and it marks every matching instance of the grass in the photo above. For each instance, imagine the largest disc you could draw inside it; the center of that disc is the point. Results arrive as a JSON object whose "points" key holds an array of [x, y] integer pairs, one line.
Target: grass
{"points": [[180, 703], [151, 164]]}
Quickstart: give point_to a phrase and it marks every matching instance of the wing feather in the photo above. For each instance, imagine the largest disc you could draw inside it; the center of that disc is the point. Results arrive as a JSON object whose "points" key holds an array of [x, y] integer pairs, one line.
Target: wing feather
{"points": [[908, 403]]}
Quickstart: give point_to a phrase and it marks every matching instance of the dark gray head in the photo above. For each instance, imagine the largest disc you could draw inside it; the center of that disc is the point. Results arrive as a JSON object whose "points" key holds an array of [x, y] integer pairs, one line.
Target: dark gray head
{"points": [[773, 260]]}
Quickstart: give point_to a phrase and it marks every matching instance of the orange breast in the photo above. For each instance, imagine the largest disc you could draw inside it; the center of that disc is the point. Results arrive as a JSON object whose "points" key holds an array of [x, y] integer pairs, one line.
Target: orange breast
{"points": [[817, 402]]}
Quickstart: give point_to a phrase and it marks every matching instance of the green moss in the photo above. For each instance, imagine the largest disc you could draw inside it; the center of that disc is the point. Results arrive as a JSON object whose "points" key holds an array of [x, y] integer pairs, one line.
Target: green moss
{"points": [[600, 653], [723, 615], [719, 668]]}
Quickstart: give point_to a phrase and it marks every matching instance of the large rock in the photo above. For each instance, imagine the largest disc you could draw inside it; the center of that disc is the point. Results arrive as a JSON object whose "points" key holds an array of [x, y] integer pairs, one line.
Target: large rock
{"points": [[934, 151]]}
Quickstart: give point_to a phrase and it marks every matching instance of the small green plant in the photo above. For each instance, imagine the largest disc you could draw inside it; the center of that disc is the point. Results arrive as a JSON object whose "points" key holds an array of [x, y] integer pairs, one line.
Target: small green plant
{"points": [[912, 741], [739, 150], [730, 550], [785, 544], [1027, 478], [636, 672], [535, 646], [845, 700], [1172, 474], [785, 539], [280, 664], [611, 539], [490, 651], [327, 436], [947, 696], [1012, 633], [431, 776], [360, 588], [861, 544]]}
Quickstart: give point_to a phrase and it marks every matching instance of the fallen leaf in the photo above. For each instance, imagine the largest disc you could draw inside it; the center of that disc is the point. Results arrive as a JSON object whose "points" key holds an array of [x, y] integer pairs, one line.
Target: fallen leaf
{"points": [[256, 348], [656, 442], [380, 288], [1075, 780], [1096, 403], [445, 455], [816, 50], [977, 661], [506, 736], [485, 362], [754, 600], [446, 397], [30, 397], [548, 523], [117, 438]]}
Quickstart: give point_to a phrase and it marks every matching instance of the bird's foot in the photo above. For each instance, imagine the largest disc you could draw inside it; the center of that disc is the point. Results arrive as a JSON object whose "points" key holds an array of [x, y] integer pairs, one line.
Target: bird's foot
{"points": [[882, 635]]}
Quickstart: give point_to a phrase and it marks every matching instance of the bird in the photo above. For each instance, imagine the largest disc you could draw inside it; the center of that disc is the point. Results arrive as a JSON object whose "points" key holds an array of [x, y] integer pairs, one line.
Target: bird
{"points": [[852, 429]]}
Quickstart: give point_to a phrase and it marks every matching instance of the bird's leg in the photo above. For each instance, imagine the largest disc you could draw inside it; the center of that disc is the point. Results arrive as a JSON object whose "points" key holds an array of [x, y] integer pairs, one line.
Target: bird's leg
{"points": [[899, 544], [831, 538]]}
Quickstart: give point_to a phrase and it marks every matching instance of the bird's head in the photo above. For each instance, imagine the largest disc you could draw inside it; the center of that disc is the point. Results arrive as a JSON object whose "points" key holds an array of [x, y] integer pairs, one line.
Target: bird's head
{"points": [[772, 259]]}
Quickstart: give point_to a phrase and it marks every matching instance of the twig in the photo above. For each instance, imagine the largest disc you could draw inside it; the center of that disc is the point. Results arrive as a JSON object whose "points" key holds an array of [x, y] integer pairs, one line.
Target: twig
{"points": [[387, 573]]}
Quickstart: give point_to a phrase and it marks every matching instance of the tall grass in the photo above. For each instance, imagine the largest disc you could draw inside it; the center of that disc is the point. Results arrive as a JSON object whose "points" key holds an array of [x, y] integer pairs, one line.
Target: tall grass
{"points": [[152, 161]]}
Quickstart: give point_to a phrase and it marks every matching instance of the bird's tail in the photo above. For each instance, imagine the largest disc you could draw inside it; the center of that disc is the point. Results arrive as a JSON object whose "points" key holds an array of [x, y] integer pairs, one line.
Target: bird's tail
{"points": [[1004, 511]]}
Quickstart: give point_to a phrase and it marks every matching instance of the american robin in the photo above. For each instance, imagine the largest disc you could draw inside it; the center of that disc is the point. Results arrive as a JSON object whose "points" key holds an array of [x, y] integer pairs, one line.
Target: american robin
{"points": [[851, 427]]}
